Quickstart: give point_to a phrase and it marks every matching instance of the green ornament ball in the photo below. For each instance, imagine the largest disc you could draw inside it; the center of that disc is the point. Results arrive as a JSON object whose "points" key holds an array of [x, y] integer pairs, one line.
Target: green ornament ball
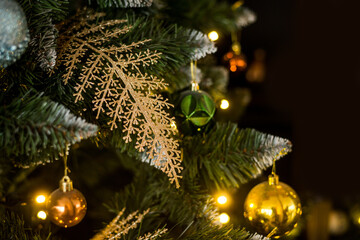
{"points": [[194, 112]]}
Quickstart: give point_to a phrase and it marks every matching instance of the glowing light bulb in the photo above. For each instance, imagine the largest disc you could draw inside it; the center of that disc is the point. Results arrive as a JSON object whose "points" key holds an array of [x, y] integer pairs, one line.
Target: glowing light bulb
{"points": [[42, 215], [40, 199], [224, 218], [222, 200], [224, 104], [213, 36]]}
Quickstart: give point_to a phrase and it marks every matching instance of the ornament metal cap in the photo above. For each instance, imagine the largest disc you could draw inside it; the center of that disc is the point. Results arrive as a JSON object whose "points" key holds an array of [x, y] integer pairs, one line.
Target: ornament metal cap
{"points": [[194, 86], [273, 179], [66, 184]]}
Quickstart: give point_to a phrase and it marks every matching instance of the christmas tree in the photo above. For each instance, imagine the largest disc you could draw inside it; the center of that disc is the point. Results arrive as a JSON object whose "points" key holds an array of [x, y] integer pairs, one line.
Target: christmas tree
{"points": [[119, 97]]}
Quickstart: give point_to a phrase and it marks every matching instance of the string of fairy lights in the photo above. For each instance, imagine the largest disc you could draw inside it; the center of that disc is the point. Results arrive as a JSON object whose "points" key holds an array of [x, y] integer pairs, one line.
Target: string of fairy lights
{"points": [[223, 200], [41, 214], [40, 200]]}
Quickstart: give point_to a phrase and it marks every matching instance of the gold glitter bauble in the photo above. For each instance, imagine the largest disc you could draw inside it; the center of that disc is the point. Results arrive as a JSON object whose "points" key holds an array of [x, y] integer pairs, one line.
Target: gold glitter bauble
{"points": [[272, 208], [66, 206]]}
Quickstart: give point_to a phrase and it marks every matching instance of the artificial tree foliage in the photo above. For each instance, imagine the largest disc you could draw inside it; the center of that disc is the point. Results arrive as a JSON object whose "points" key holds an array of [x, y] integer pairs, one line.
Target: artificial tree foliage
{"points": [[41, 121]]}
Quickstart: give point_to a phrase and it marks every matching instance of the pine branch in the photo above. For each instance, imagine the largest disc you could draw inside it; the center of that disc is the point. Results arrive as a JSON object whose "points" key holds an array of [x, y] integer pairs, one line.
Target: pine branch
{"points": [[205, 46], [203, 15], [228, 157], [256, 236], [122, 92], [36, 130], [122, 3], [244, 17], [120, 226], [209, 231], [188, 212], [178, 45], [43, 48], [42, 16], [12, 227], [174, 43]]}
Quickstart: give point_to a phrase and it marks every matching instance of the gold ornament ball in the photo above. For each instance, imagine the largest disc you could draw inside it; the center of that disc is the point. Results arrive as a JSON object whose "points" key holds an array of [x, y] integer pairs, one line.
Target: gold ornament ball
{"points": [[66, 206], [272, 208]]}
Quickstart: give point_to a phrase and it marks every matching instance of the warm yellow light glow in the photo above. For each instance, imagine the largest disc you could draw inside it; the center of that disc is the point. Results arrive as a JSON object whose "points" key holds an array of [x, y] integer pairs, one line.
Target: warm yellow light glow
{"points": [[173, 125], [224, 218], [41, 215], [60, 208], [213, 36], [40, 199], [359, 220], [237, 4], [266, 211], [224, 104], [222, 200], [251, 205], [291, 207]]}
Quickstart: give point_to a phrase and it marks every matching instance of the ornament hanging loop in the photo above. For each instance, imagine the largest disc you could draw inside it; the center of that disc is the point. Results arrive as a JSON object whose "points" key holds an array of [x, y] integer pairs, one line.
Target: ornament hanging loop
{"points": [[273, 177], [66, 168], [194, 84], [66, 184]]}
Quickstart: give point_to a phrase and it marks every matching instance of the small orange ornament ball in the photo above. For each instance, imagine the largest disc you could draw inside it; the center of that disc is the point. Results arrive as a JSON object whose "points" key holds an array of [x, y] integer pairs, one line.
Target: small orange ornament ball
{"points": [[273, 208], [66, 206]]}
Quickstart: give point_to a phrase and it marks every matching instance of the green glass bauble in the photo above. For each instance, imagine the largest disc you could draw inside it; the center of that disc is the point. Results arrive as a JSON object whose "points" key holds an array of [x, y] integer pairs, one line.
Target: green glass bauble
{"points": [[195, 111]]}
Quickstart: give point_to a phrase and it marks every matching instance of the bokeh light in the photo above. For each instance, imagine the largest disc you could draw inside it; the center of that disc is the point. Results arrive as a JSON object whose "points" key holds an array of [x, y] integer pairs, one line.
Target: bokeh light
{"points": [[40, 199], [42, 215], [224, 218], [222, 200], [213, 36], [224, 104]]}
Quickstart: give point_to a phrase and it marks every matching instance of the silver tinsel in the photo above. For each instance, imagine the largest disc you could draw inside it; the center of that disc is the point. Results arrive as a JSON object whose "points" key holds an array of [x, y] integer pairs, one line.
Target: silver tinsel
{"points": [[14, 33], [203, 44]]}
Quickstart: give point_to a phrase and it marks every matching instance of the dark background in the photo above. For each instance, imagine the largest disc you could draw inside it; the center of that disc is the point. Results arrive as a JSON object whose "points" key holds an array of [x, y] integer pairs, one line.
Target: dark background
{"points": [[311, 92], [310, 95]]}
